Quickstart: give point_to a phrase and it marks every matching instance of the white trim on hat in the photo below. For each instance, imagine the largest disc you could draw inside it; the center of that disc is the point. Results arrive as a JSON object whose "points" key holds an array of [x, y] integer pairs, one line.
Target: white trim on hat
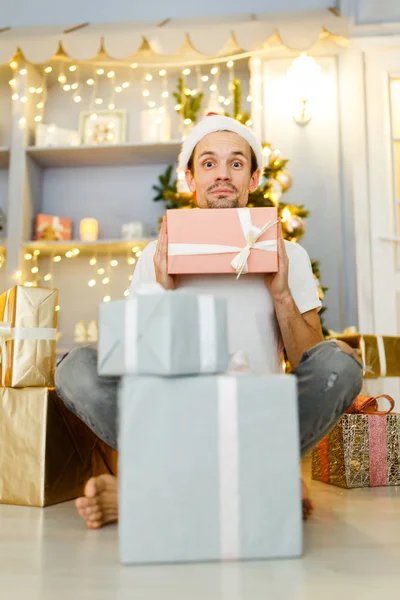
{"points": [[210, 124]]}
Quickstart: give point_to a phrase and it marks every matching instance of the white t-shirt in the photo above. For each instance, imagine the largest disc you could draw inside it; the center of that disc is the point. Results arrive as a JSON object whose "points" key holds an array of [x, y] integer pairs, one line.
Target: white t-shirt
{"points": [[252, 324]]}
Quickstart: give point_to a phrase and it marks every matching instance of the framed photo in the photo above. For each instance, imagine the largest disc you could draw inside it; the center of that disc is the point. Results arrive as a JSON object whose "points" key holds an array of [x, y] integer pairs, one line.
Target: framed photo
{"points": [[102, 127]]}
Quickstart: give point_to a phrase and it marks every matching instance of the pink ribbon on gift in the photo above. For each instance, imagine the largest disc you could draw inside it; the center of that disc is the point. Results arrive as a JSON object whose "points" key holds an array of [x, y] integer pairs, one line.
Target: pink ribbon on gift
{"points": [[377, 450]]}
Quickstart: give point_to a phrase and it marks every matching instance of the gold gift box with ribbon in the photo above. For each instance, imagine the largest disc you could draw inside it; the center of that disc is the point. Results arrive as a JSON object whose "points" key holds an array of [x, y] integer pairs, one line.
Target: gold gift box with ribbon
{"points": [[28, 327], [380, 353], [47, 454]]}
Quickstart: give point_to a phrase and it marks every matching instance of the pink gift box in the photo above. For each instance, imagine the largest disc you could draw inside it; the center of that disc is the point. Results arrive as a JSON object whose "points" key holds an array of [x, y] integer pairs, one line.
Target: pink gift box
{"points": [[207, 240]]}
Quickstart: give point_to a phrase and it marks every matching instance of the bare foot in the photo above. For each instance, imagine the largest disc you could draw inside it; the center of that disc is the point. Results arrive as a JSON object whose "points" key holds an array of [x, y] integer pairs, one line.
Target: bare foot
{"points": [[308, 506], [99, 505]]}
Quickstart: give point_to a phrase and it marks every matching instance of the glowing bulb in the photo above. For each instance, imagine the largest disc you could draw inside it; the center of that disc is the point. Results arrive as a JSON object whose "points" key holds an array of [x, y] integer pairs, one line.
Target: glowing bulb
{"points": [[130, 277], [24, 99], [12, 83], [100, 71], [186, 71], [106, 298], [47, 277], [111, 106], [92, 262], [193, 92], [165, 94], [229, 64], [162, 73], [227, 102], [40, 105], [18, 274], [125, 84], [93, 117], [110, 74], [36, 252], [39, 90], [35, 270], [28, 284], [286, 214], [15, 96], [205, 78], [249, 123], [101, 271], [134, 66], [178, 107], [57, 259], [149, 77], [22, 121], [75, 251], [28, 256], [214, 71], [135, 248], [188, 92], [90, 81], [138, 253], [13, 64], [38, 118], [48, 69], [92, 283], [118, 89], [146, 93], [249, 98], [32, 90], [62, 78], [221, 99], [126, 293], [151, 104], [77, 98], [69, 254], [187, 121], [98, 101], [105, 280], [57, 308], [73, 68], [74, 86], [114, 263], [23, 72], [131, 261], [213, 87]]}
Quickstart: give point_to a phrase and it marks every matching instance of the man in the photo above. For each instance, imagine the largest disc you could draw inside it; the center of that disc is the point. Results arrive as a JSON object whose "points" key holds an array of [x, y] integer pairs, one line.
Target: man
{"points": [[222, 160]]}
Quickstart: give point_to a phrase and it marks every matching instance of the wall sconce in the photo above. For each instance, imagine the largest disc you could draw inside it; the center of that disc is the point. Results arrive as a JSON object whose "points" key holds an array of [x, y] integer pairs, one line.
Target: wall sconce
{"points": [[303, 77]]}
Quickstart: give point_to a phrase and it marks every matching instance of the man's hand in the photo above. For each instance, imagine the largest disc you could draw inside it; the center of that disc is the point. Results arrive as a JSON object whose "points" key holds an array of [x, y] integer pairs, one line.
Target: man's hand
{"points": [[278, 283], [161, 259]]}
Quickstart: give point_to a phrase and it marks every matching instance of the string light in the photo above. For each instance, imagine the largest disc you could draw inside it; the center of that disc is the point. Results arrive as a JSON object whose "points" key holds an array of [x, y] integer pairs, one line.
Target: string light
{"points": [[151, 104], [40, 105], [92, 283], [249, 98], [106, 298], [205, 78], [186, 71], [114, 263], [125, 84], [24, 99], [13, 64], [149, 77], [48, 69], [38, 118], [131, 260], [100, 71], [214, 71], [36, 253], [66, 87], [126, 293], [69, 254], [221, 99], [35, 270], [73, 68], [62, 78], [162, 73], [111, 106], [227, 101], [92, 262], [229, 64], [101, 271], [98, 101], [165, 94], [12, 82], [146, 93], [18, 274], [213, 87], [28, 256], [134, 66], [57, 258], [110, 74], [57, 308], [74, 86], [32, 90], [90, 81], [23, 72], [177, 107], [15, 96], [118, 89], [39, 90], [28, 284], [47, 277], [76, 251], [77, 98], [93, 117], [22, 121], [105, 280]]}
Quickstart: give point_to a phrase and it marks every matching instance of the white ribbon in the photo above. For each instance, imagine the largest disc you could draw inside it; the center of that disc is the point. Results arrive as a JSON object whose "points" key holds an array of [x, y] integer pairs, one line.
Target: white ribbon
{"points": [[207, 331], [9, 333], [228, 468], [239, 263]]}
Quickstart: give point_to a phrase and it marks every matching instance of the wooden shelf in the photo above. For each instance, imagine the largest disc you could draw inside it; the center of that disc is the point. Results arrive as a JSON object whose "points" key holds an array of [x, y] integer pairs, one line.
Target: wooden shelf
{"points": [[47, 248], [4, 157], [105, 155]]}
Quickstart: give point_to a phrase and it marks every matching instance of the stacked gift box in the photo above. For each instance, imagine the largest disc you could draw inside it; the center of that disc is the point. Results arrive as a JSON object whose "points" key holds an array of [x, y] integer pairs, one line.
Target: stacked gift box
{"points": [[208, 468], [363, 449], [47, 454]]}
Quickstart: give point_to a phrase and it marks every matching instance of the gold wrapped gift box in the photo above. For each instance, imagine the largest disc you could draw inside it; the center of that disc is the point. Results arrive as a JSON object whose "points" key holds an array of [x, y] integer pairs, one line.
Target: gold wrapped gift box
{"points": [[28, 327], [380, 354], [47, 454]]}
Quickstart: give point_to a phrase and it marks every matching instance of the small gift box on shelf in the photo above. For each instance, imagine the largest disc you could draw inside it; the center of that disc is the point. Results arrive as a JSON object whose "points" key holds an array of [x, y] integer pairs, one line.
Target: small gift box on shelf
{"points": [[28, 331], [209, 469], [51, 135], [47, 454], [362, 450], [380, 353], [49, 227], [155, 125], [163, 333], [236, 240]]}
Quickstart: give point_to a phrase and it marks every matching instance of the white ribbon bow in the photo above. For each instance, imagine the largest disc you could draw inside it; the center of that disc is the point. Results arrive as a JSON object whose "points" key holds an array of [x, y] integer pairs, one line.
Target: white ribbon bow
{"points": [[239, 263]]}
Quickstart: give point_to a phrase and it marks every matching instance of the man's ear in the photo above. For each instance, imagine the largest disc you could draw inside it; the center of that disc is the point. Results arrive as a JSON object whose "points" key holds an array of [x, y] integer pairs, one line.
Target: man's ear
{"points": [[254, 180], [190, 180]]}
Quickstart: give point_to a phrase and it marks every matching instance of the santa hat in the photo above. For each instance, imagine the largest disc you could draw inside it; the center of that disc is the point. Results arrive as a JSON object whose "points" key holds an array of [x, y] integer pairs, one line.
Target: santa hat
{"points": [[214, 122]]}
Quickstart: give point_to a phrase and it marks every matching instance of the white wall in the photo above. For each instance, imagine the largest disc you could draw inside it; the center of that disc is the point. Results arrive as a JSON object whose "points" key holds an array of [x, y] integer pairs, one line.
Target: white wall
{"points": [[371, 11], [314, 154], [23, 13]]}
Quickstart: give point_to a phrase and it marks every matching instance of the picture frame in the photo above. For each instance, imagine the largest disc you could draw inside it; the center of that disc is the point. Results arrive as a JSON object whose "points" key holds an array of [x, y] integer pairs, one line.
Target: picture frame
{"points": [[107, 127]]}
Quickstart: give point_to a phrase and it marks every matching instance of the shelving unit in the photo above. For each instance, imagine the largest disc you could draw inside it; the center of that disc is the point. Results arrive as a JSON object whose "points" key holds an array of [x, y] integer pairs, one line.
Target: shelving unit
{"points": [[104, 155], [48, 248]]}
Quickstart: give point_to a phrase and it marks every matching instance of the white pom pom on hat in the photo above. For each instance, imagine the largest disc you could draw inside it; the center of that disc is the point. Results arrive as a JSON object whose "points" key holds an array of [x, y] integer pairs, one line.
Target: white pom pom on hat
{"points": [[210, 124]]}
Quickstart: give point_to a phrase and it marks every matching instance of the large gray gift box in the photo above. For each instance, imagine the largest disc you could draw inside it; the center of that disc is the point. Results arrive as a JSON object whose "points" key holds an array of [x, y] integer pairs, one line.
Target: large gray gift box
{"points": [[169, 333], [209, 469]]}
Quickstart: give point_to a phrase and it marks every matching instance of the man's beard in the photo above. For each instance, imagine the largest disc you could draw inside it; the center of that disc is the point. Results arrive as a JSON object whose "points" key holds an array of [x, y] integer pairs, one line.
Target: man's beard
{"points": [[222, 201]]}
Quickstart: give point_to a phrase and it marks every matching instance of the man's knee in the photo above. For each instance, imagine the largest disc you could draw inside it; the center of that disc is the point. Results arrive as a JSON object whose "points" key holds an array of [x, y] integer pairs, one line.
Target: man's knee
{"points": [[76, 375]]}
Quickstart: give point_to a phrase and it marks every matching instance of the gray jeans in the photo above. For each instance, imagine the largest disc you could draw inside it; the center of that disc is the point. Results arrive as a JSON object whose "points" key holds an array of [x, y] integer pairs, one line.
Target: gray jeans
{"points": [[328, 379]]}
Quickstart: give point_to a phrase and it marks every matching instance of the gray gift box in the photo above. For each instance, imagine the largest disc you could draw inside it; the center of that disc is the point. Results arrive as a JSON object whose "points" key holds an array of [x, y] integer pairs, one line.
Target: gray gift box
{"points": [[209, 469], [169, 333]]}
